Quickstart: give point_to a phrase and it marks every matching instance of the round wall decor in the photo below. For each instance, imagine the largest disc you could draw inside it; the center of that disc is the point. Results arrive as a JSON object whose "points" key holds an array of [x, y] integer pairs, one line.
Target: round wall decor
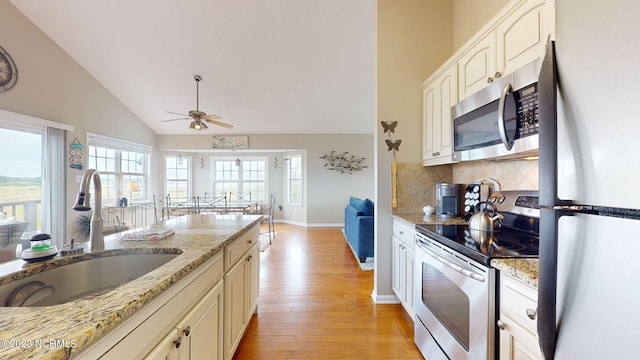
{"points": [[8, 71]]}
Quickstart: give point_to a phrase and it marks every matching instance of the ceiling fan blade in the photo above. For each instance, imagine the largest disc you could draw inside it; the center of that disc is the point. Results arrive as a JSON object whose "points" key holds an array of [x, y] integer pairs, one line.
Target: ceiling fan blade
{"points": [[219, 123], [213, 117], [175, 113], [175, 119]]}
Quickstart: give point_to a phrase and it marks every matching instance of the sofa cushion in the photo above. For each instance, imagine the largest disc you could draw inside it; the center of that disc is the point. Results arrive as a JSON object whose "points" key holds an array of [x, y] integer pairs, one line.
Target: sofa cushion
{"points": [[364, 207]]}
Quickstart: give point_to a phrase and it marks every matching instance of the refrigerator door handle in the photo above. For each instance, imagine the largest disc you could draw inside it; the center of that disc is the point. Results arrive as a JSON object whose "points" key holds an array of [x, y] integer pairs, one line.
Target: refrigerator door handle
{"points": [[502, 124], [548, 279]]}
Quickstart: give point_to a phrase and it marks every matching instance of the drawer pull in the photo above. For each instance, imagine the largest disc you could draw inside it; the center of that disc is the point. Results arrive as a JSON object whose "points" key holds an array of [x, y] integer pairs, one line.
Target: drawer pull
{"points": [[401, 232], [501, 325], [249, 258], [177, 342], [187, 331], [531, 314], [250, 241]]}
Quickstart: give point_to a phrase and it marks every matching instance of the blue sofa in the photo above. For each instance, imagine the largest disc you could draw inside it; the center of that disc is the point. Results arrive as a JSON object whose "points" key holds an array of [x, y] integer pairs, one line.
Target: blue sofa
{"points": [[358, 227]]}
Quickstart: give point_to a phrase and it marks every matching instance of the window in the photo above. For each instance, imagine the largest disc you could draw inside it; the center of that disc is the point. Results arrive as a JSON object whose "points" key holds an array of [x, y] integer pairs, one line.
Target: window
{"points": [[240, 176], [32, 178], [123, 168], [294, 179], [177, 175]]}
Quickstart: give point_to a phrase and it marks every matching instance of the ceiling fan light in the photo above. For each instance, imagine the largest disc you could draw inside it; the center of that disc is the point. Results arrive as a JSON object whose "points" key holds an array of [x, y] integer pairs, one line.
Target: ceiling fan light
{"points": [[203, 125], [193, 125]]}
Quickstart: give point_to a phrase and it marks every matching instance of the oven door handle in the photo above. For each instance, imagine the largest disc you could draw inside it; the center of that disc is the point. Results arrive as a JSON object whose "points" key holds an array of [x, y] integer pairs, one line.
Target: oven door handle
{"points": [[456, 267]]}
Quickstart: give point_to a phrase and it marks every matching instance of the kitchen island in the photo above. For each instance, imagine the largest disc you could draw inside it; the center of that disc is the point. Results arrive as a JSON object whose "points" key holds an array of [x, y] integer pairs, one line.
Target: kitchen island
{"points": [[65, 330]]}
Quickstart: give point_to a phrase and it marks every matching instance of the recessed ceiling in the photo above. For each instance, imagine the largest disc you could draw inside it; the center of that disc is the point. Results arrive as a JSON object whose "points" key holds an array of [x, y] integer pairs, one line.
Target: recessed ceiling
{"points": [[268, 66]]}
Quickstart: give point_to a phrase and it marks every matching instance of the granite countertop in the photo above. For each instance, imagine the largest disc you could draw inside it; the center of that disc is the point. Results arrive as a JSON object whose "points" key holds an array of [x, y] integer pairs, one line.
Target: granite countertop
{"points": [[26, 333], [525, 270]]}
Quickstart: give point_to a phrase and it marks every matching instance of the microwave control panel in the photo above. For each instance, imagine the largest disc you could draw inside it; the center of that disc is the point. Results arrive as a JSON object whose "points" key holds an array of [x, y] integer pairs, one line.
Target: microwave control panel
{"points": [[528, 116]]}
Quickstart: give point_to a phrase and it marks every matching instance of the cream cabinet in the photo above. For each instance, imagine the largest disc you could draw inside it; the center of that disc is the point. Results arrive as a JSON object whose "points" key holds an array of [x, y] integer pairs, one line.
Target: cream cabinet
{"points": [[477, 66], [402, 265], [166, 349], [517, 320], [240, 290], [198, 335], [513, 38], [157, 331], [522, 36], [439, 95]]}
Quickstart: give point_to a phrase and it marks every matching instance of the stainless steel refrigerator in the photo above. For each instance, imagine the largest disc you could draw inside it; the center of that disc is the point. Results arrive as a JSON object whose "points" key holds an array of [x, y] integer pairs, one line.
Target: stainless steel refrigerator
{"points": [[589, 88]]}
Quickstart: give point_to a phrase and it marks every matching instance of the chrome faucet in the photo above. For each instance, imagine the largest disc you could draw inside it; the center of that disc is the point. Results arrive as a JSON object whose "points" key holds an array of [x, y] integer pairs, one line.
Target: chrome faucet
{"points": [[83, 203]]}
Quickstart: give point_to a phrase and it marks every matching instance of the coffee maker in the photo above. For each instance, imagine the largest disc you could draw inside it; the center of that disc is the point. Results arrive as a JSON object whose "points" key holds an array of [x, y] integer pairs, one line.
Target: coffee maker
{"points": [[449, 200]]}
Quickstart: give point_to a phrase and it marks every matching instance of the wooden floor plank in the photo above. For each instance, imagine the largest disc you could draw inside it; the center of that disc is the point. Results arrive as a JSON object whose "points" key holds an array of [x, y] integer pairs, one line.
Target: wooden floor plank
{"points": [[315, 303]]}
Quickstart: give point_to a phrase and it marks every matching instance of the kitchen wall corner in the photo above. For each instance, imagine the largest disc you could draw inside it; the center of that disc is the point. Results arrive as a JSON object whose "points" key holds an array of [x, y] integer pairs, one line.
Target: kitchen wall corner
{"points": [[416, 186]]}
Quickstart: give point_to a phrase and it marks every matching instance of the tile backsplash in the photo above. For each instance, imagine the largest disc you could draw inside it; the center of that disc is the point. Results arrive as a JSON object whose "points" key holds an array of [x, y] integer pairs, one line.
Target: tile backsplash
{"points": [[416, 184]]}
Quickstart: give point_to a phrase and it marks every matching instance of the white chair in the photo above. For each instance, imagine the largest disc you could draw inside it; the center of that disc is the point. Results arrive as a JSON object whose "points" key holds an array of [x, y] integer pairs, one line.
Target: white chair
{"points": [[269, 218]]}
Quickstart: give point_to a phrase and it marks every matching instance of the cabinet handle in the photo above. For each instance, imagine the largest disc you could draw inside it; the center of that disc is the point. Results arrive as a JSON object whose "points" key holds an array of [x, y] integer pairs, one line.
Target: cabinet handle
{"points": [[489, 80], [497, 75], [249, 258], [187, 331], [177, 342], [531, 314], [501, 325], [250, 241], [437, 153], [401, 232]]}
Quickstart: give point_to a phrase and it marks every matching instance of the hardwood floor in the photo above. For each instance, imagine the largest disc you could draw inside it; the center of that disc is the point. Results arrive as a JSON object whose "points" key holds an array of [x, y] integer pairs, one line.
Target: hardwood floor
{"points": [[315, 303]]}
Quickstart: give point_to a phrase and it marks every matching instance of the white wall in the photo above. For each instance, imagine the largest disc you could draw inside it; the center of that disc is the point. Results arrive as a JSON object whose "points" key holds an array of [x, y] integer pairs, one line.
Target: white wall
{"points": [[53, 86]]}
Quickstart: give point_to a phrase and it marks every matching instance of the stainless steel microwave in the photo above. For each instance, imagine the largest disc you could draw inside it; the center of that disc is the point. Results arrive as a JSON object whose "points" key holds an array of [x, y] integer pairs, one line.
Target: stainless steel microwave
{"points": [[499, 121]]}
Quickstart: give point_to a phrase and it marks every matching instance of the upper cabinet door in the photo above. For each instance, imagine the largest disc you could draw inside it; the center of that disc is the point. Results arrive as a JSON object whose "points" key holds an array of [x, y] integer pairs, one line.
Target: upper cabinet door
{"points": [[522, 36], [477, 66], [448, 99]]}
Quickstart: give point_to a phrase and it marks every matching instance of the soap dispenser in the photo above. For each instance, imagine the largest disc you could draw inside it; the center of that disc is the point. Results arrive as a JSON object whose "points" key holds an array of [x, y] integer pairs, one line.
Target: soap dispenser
{"points": [[41, 249]]}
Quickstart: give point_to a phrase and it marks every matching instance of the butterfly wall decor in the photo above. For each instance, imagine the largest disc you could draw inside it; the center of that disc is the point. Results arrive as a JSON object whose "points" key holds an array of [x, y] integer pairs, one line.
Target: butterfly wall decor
{"points": [[389, 126], [393, 144]]}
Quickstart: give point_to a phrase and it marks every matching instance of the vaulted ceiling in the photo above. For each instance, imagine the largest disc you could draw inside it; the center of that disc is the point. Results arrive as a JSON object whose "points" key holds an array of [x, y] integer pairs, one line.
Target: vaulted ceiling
{"points": [[268, 66]]}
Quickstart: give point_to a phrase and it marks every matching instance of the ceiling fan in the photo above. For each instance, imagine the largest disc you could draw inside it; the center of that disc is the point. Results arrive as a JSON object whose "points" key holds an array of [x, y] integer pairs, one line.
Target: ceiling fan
{"points": [[200, 118]]}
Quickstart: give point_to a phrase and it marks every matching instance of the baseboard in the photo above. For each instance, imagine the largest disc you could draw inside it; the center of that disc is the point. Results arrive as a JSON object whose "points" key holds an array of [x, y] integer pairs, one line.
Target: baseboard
{"points": [[384, 299], [320, 225]]}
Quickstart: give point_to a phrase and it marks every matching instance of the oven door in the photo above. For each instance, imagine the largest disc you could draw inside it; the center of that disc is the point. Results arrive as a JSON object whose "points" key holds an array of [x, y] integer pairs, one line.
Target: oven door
{"points": [[454, 304]]}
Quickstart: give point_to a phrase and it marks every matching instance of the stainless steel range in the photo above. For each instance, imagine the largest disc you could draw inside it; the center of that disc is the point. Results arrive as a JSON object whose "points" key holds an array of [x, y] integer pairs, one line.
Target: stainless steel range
{"points": [[455, 290]]}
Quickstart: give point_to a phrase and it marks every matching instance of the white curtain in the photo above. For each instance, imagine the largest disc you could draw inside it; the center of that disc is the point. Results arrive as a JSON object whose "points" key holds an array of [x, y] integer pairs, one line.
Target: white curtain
{"points": [[53, 185]]}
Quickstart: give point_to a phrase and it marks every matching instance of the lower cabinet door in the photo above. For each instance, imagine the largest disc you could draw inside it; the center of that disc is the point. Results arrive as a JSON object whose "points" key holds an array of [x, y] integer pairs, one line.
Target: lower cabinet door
{"points": [[167, 348], [234, 307], [201, 329], [253, 282]]}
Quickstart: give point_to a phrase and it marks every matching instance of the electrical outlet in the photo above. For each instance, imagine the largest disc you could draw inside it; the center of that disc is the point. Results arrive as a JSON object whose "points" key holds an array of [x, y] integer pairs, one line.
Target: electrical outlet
{"points": [[78, 178]]}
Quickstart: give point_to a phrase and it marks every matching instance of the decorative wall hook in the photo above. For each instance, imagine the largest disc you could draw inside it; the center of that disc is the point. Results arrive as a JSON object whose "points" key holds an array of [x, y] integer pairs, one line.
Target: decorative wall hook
{"points": [[343, 163]]}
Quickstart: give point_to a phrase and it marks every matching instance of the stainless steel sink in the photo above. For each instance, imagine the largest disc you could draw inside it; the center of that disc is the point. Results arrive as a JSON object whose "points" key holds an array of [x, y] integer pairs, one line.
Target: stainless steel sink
{"points": [[84, 278]]}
